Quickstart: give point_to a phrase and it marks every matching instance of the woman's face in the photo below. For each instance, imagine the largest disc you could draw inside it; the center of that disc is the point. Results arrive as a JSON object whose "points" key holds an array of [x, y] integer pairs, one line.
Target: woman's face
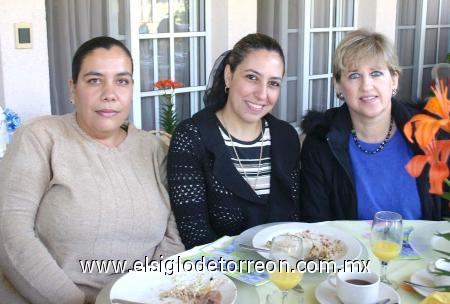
{"points": [[103, 92], [367, 89], [254, 86]]}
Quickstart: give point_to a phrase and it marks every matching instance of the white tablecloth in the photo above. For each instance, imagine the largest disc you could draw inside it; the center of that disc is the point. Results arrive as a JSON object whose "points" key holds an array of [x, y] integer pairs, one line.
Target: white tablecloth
{"points": [[398, 270]]}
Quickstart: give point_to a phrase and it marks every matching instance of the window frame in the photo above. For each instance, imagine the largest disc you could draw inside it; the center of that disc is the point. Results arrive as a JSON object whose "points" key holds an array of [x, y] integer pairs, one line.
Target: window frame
{"points": [[133, 39], [420, 27], [307, 74], [303, 32]]}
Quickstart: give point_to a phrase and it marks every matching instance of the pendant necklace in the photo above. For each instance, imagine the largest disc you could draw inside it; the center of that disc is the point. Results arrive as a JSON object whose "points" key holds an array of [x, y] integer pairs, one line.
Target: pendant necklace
{"points": [[238, 158]]}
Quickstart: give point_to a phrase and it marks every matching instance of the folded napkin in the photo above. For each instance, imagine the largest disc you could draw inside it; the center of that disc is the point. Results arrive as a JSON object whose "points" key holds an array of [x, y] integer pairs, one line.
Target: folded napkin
{"points": [[437, 297]]}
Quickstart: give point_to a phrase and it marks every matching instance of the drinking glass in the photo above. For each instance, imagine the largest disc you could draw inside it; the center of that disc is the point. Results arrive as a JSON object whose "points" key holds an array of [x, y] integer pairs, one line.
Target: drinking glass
{"points": [[386, 240], [285, 252]]}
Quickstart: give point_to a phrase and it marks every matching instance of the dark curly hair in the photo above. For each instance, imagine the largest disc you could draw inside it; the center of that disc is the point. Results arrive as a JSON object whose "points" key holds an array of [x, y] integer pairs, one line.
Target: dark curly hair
{"points": [[215, 93]]}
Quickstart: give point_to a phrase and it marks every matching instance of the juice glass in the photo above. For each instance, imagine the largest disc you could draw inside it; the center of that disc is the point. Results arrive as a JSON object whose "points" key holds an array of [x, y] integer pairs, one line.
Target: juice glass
{"points": [[386, 240], [285, 252]]}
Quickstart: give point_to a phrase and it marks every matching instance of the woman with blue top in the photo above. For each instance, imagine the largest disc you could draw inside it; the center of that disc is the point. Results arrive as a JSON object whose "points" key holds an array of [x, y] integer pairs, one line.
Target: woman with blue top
{"points": [[233, 165], [354, 156]]}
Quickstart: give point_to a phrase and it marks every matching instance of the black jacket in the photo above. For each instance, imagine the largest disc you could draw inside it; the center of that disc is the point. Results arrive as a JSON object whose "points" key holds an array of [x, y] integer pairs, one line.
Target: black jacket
{"points": [[328, 190], [209, 197]]}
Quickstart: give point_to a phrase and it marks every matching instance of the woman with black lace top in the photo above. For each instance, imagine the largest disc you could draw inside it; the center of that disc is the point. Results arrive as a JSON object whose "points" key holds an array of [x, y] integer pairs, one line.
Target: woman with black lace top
{"points": [[233, 165]]}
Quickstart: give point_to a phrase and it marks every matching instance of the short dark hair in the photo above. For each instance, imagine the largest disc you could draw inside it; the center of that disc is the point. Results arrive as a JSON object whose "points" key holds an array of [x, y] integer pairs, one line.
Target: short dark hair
{"points": [[215, 95], [89, 46]]}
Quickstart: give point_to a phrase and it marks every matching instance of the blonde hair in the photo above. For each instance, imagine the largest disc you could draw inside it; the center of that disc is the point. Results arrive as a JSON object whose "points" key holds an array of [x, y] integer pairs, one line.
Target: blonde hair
{"points": [[360, 45]]}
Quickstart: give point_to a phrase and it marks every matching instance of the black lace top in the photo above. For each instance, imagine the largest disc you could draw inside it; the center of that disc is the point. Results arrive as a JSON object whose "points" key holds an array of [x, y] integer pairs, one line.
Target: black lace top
{"points": [[208, 195]]}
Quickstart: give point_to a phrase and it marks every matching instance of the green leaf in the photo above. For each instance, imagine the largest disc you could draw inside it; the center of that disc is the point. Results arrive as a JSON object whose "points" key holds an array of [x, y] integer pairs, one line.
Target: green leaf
{"points": [[445, 235], [440, 272], [168, 117], [446, 195], [444, 288], [442, 252]]}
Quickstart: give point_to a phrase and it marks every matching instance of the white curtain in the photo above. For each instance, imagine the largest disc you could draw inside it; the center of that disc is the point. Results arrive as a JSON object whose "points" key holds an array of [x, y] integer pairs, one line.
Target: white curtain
{"points": [[268, 22], [69, 24]]}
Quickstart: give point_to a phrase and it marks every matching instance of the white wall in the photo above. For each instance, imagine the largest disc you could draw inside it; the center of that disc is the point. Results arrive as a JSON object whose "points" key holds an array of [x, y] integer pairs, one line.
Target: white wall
{"points": [[379, 16], [24, 75], [230, 21], [24, 78]]}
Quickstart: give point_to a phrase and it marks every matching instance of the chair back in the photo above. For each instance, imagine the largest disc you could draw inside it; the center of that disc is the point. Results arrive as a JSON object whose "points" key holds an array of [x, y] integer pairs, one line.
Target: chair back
{"points": [[441, 72]]}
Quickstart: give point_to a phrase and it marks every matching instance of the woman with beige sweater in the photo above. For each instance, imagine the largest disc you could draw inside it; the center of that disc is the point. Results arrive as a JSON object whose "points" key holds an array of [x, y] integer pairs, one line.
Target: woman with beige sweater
{"points": [[83, 187]]}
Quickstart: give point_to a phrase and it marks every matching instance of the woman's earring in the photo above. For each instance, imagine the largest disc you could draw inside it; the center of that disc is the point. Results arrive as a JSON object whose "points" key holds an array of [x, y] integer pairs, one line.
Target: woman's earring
{"points": [[340, 96], [71, 101], [226, 89], [394, 92]]}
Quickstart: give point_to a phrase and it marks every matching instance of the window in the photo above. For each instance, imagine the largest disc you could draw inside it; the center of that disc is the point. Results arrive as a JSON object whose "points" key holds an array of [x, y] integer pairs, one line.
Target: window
{"points": [[308, 31], [171, 45], [325, 26], [167, 39], [423, 39]]}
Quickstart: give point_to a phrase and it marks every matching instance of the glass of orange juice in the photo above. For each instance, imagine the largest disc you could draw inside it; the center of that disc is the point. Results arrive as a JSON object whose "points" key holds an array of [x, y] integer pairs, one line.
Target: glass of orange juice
{"points": [[386, 240], [285, 252]]}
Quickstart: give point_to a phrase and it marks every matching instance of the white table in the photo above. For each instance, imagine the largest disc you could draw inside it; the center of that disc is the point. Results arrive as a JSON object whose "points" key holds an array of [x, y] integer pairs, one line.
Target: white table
{"points": [[398, 270]]}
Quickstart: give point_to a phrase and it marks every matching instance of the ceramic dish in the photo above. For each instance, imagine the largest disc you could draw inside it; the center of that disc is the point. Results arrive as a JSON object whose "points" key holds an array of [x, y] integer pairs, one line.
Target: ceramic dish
{"points": [[422, 277], [147, 287], [423, 240], [352, 247], [326, 294]]}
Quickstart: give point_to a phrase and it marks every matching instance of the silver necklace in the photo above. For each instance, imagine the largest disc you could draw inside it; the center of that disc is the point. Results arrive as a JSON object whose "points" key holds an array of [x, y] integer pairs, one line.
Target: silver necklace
{"points": [[239, 160]]}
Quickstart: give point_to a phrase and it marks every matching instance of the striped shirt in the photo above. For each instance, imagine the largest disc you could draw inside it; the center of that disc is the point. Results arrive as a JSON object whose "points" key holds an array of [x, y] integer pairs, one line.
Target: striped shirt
{"points": [[249, 154]]}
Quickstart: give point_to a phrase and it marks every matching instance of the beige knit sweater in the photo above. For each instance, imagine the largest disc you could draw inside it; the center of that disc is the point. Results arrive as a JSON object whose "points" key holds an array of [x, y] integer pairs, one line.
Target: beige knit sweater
{"points": [[65, 197]]}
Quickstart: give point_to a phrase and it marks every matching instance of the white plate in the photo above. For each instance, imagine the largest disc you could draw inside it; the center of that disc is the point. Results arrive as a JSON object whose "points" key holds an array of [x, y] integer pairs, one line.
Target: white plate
{"points": [[422, 277], [146, 286], [352, 245], [423, 240], [326, 294]]}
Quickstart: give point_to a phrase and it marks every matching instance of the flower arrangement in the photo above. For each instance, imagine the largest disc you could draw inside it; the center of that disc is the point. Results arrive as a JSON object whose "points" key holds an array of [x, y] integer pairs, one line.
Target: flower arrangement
{"points": [[12, 120], [169, 118], [9, 122], [422, 129]]}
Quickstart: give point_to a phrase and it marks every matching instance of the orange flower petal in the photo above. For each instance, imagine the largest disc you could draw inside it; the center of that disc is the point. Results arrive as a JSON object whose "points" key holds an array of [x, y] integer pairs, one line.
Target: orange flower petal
{"points": [[167, 84], [416, 164], [177, 84], [444, 147], [438, 173], [426, 130], [161, 84], [441, 95], [435, 106], [445, 125], [408, 130]]}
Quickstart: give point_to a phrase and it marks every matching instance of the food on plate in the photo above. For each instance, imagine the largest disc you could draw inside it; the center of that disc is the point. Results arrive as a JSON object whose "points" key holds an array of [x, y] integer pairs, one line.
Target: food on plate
{"points": [[211, 297], [318, 246], [202, 291]]}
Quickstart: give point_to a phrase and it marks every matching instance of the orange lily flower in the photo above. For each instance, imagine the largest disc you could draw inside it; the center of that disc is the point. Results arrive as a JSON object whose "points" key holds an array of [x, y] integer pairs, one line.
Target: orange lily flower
{"points": [[427, 126], [436, 155]]}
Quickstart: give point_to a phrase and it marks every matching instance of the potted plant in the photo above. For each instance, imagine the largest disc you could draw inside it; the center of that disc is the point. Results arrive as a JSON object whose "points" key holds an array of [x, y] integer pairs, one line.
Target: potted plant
{"points": [[169, 118]]}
